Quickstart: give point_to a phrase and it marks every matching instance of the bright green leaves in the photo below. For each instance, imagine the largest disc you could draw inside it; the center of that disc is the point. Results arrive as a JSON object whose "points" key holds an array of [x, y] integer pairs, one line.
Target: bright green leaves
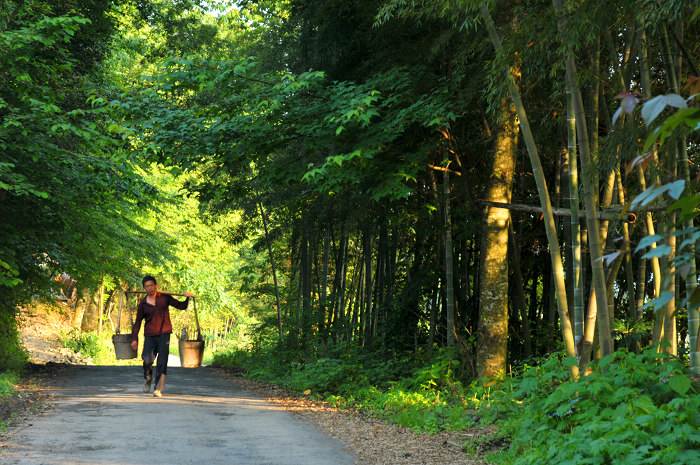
{"points": [[245, 114], [689, 117], [65, 194]]}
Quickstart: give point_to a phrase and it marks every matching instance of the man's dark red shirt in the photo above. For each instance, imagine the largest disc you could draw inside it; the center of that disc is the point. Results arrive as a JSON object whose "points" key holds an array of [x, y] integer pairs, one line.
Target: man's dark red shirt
{"points": [[157, 317]]}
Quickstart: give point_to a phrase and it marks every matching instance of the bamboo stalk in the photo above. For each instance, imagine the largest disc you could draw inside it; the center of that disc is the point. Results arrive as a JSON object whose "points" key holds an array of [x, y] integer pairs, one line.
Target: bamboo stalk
{"points": [[594, 231], [575, 223]]}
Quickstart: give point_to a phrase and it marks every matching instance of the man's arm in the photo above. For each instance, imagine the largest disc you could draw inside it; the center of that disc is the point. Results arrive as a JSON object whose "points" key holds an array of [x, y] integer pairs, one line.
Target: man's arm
{"points": [[173, 302]]}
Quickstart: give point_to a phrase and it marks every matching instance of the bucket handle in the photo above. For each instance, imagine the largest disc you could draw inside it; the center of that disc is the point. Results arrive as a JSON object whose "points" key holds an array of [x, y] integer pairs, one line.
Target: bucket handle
{"points": [[196, 319], [119, 314]]}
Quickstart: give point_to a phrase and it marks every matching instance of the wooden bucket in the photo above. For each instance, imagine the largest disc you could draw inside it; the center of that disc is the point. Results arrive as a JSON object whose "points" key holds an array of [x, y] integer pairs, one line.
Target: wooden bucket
{"points": [[191, 353], [122, 346], [191, 350]]}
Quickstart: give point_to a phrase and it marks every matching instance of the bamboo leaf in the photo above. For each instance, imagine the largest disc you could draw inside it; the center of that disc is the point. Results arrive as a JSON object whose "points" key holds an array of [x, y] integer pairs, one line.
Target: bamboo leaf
{"points": [[647, 241], [609, 258], [660, 301], [656, 105], [694, 299], [660, 251], [676, 188]]}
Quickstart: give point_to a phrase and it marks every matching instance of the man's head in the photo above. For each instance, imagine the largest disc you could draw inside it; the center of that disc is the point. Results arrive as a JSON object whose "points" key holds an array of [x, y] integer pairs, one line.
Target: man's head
{"points": [[149, 284]]}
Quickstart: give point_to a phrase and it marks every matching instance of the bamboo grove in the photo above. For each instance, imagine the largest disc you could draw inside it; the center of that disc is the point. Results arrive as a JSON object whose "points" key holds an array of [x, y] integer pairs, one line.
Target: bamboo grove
{"points": [[429, 174]]}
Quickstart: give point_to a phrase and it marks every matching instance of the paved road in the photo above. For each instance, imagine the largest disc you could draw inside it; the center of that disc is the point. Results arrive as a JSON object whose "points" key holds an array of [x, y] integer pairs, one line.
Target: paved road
{"points": [[103, 417]]}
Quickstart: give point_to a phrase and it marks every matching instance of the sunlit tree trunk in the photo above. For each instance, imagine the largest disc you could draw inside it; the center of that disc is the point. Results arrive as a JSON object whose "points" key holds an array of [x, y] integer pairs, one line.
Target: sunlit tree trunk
{"points": [[492, 331], [548, 216], [690, 276]]}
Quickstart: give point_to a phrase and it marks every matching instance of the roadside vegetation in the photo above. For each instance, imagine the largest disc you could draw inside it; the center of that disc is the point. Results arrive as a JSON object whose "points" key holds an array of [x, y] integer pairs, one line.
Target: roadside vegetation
{"points": [[631, 409]]}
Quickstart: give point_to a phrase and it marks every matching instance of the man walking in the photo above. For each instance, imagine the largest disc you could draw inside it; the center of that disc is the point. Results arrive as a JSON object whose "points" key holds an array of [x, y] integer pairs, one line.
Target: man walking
{"points": [[154, 309]]}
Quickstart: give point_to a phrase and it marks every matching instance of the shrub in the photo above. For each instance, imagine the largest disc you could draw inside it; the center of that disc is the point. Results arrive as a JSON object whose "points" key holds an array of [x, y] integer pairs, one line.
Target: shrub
{"points": [[8, 380], [12, 354], [90, 344], [631, 409]]}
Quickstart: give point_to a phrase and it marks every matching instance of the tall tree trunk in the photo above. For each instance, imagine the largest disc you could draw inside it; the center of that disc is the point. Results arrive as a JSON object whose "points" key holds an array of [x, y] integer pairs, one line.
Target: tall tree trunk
{"points": [[520, 291], [449, 270], [272, 265], [101, 305], [553, 241], [367, 250], [690, 277], [492, 331], [324, 278], [340, 279]]}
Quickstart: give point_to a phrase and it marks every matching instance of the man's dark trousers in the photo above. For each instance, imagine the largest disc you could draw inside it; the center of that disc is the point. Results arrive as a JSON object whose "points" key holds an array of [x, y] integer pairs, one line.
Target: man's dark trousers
{"points": [[155, 346]]}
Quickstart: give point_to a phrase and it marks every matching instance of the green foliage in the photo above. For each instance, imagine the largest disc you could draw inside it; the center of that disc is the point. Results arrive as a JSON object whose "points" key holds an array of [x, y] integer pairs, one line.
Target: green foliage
{"points": [[12, 354], [90, 344], [68, 193], [631, 409], [8, 380]]}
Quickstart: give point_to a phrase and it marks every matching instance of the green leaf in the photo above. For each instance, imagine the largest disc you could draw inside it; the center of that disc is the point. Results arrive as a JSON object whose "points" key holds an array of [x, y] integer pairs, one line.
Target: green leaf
{"points": [[676, 188], [679, 383], [661, 250], [654, 107], [687, 205], [694, 299], [660, 301], [647, 241]]}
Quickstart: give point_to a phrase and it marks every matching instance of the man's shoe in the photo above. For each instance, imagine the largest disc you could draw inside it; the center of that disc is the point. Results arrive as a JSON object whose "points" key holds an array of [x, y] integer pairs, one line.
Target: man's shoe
{"points": [[157, 393], [147, 385]]}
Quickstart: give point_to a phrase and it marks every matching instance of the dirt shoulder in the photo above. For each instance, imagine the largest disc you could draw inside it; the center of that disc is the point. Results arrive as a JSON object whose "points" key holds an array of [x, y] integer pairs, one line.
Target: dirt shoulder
{"points": [[41, 328], [374, 440]]}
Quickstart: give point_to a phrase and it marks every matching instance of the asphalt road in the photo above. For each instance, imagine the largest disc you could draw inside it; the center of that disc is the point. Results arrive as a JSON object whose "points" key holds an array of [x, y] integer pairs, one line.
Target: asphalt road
{"points": [[102, 416]]}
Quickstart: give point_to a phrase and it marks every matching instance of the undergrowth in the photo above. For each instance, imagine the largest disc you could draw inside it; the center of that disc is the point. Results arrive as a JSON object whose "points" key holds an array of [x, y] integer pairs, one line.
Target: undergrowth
{"points": [[8, 380], [98, 347], [631, 409]]}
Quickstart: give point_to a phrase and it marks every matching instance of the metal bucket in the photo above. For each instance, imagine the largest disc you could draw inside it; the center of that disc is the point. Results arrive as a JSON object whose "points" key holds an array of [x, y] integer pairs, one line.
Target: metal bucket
{"points": [[191, 353], [122, 346]]}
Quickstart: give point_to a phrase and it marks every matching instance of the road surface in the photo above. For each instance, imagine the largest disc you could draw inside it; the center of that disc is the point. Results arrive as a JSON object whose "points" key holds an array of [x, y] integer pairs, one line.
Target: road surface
{"points": [[101, 416]]}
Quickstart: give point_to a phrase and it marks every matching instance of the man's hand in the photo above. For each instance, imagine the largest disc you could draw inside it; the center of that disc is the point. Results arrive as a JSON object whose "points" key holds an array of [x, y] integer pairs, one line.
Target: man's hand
{"points": [[188, 294], [134, 345]]}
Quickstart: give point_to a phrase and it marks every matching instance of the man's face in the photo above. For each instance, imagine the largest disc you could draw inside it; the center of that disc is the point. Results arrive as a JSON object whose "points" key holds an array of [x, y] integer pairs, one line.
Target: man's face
{"points": [[150, 287]]}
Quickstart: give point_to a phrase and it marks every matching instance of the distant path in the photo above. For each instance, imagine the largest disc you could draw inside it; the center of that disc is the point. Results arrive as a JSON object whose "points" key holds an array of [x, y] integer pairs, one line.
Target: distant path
{"points": [[102, 416]]}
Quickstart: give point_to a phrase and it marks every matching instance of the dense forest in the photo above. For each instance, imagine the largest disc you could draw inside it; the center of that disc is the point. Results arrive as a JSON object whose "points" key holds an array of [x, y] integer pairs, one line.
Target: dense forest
{"points": [[376, 190]]}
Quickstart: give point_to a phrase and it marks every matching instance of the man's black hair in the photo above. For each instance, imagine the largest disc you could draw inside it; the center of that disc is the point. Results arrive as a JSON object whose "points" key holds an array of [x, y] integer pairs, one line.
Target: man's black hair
{"points": [[148, 277]]}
